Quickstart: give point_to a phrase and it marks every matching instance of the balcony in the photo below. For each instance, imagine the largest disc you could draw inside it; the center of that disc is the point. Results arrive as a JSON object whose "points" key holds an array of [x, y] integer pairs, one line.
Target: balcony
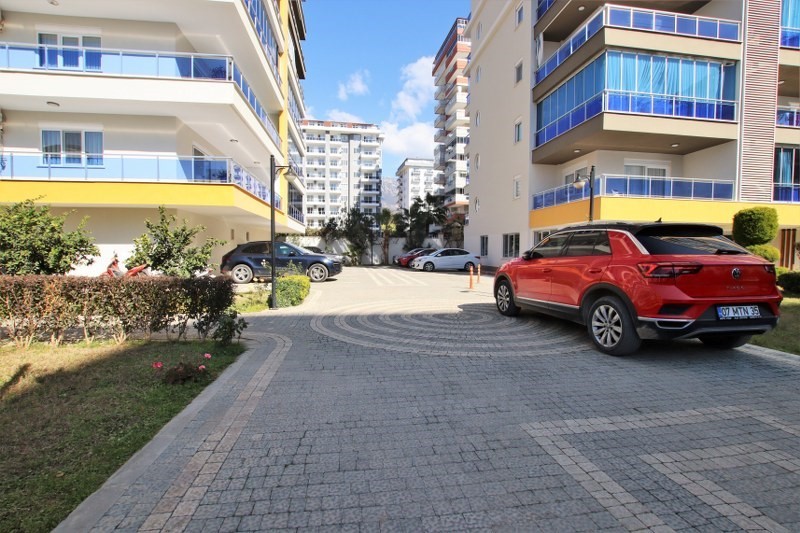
{"points": [[132, 168], [558, 18], [788, 117], [638, 187], [459, 118], [648, 20], [456, 200], [786, 193], [660, 123], [143, 65], [456, 102]]}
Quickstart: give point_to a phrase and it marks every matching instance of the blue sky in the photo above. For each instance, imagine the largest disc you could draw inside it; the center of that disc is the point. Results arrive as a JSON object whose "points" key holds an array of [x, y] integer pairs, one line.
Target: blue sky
{"points": [[371, 60]]}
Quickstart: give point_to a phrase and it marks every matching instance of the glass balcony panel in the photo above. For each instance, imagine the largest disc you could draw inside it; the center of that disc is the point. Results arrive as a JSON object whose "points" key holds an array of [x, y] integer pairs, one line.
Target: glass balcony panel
{"points": [[687, 26], [707, 28], [728, 31], [681, 189], [642, 104], [619, 17], [616, 185], [594, 25], [723, 191], [703, 189], [790, 38], [638, 187], [664, 23], [139, 64], [660, 187], [643, 20]]}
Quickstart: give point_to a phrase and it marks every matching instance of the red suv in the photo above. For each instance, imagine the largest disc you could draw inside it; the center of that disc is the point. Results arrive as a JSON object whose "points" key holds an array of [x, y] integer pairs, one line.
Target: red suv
{"points": [[405, 259], [628, 282]]}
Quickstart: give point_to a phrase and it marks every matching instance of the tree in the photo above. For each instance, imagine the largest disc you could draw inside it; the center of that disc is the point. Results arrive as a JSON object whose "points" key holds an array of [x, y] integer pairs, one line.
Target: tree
{"points": [[421, 216], [33, 241], [386, 223], [357, 229], [755, 229], [169, 250]]}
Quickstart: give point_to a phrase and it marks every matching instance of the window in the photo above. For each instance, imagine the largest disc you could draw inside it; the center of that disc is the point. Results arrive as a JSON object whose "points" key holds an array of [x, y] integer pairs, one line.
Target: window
{"points": [[484, 245], [516, 187], [69, 51], [518, 72], [519, 16], [70, 147], [580, 173], [510, 244], [551, 246], [477, 161], [588, 243], [517, 132], [477, 118], [478, 31], [478, 72]]}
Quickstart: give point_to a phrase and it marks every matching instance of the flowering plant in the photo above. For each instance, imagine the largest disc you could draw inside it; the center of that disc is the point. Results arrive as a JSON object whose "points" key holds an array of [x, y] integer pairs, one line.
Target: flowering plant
{"points": [[182, 371]]}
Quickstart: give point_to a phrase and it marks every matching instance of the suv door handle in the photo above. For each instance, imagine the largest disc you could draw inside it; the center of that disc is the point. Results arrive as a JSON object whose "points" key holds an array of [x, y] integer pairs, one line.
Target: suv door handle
{"points": [[545, 270], [595, 270]]}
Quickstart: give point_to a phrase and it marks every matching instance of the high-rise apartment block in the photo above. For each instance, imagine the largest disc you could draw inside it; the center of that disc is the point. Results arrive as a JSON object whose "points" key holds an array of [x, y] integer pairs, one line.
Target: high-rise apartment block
{"points": [[416, 178], [680, 111], [452, 118], [342, 169], [116, 110]]}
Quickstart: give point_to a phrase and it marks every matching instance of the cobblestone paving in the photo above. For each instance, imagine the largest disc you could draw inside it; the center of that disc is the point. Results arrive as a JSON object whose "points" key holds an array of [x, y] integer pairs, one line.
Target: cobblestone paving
{"points": [[395, 400]]}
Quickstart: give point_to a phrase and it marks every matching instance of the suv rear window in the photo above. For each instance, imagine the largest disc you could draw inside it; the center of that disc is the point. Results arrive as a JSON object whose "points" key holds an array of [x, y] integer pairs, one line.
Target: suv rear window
{"points": [[689, 244]]}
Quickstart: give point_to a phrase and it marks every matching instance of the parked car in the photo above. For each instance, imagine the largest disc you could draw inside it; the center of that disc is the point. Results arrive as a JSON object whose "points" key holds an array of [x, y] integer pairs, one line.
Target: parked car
{"points": [[628, 282], [317, 250], [405, 259], [252, 260], [446, 259]]}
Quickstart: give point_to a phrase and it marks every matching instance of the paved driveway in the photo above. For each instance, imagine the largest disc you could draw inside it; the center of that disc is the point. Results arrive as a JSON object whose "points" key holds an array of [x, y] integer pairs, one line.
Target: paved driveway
{"points": [[401, 400]]}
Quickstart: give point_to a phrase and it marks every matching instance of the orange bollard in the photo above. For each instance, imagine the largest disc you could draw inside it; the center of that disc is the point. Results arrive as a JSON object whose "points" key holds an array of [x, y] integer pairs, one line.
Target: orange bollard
{"points": [[479, 274], [470, 277]]}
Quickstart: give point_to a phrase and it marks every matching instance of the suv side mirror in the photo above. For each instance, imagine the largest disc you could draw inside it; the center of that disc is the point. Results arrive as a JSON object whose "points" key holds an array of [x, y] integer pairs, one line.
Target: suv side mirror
{"points": [[527, 255]]}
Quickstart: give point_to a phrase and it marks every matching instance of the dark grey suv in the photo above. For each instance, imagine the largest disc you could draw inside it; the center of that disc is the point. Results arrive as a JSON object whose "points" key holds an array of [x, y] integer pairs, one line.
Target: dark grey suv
{"points": [[252, 260]]}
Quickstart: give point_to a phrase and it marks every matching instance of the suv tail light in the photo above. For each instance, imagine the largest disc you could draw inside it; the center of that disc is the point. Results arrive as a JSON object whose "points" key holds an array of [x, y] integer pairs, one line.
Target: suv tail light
{"points": [[770, 268], [668, 270], [225, 258]]}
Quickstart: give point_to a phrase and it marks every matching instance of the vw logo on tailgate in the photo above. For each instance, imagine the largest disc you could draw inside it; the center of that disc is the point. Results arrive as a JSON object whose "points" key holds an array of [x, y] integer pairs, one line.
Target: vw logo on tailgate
{"points": [[736, 273]]}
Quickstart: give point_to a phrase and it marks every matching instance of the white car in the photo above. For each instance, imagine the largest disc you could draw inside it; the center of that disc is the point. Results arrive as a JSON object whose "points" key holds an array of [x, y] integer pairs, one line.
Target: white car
{"points": [[446, 259]]}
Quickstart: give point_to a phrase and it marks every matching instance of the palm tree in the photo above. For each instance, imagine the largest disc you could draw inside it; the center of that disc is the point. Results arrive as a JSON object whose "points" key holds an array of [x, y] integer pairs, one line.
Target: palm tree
{"points": [[385, 220]]}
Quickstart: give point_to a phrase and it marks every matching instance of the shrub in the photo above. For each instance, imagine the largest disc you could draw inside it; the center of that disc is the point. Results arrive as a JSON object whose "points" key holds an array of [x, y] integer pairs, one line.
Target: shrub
{"points": [[790, 282], [292, 290], [757, 225], [228, 327], [767, 251]]}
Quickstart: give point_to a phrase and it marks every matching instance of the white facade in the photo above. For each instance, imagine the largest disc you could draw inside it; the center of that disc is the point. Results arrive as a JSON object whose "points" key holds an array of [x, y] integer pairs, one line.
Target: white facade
{"points": [[342, 169], [147, 104], [416, 178], [499, 146]]}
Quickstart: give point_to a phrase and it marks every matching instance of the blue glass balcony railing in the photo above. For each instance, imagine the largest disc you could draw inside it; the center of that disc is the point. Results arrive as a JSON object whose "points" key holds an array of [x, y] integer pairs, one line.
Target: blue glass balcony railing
{"points": [[543, 6], [131, 168], [790, 37], [643, 20], [638, 103], [638, 187], [786, 193], [788, 117], [133, 63]]}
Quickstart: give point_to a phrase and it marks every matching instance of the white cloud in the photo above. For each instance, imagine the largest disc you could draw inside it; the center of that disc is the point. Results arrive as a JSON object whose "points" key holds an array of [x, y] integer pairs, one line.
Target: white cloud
{"points": [[337, 115], [414, 140], [356, 84], [417, 93]]}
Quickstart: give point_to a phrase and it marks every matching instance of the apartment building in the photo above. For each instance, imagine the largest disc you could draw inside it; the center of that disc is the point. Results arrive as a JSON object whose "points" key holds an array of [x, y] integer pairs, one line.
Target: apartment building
{"points": [[342, 169], [416, 178], [113, 109], [673, 110], [452, 118]]}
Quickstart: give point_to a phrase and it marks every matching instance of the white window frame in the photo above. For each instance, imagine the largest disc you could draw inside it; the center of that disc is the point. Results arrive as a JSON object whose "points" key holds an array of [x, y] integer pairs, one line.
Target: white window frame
{"points": [[484, 245], [518, 131], [516, 188], [60, 158], [519, 15], [511, 243], [518, 72], [648, 164]]}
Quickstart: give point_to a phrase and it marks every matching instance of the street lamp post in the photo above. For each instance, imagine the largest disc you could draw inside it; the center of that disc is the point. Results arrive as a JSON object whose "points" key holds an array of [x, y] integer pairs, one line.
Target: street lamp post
{"points": [[580, 182], [273, 170]]}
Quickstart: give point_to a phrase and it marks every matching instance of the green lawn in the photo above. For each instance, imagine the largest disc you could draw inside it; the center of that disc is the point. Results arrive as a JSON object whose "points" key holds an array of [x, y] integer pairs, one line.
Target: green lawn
{"points": [[786, 337], [72, 415]]}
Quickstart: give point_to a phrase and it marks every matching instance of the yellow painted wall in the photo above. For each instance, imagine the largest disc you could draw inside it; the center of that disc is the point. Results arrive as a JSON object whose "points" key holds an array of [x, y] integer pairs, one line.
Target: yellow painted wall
{"points": [[650, 209]]}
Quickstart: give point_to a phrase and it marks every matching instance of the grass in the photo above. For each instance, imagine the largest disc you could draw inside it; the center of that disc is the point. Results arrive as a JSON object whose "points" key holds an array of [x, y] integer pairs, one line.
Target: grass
{"points": [[74, 414], [785, 337], [252, 302]]}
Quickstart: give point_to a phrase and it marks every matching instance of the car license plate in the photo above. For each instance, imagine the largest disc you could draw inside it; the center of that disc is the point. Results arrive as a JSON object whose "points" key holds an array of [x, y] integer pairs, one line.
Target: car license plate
{"points": [[734, 312]]}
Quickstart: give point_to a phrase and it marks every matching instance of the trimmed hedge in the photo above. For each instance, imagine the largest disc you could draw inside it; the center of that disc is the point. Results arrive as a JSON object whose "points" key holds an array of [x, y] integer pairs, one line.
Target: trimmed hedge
{"points": [[757, 225], [34, 307], [767, 251], [292, 290], [790, 282]]}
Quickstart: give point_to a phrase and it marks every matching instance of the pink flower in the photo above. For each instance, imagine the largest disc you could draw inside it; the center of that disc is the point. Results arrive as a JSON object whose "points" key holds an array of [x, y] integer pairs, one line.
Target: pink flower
{"points": [[207, 355], [201, 368], [158, 364]]}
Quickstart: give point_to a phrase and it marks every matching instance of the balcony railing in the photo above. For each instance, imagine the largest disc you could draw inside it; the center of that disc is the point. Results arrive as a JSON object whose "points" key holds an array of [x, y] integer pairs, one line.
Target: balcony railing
{"points": [[642, 104], [786, 193], [790, 37], [643, 20], [788, 117], [638, 187], [134, 63], [543, 6], [131, 168], [297, 214]]}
